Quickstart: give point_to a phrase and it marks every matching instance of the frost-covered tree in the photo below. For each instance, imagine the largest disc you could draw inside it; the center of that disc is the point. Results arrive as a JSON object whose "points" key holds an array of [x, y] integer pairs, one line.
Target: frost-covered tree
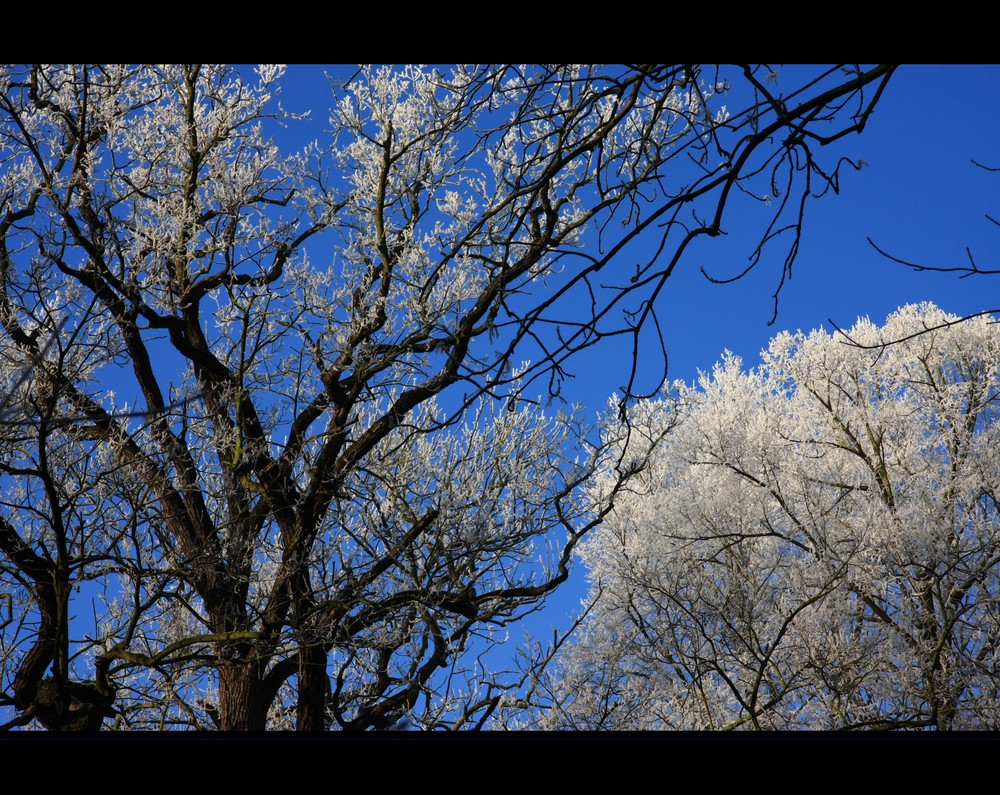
{"points": [[270, 455], [814, 543]]}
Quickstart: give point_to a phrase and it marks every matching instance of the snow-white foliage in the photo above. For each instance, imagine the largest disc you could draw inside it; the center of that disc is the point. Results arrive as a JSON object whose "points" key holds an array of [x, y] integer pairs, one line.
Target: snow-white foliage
{"points": [[816, 543]]}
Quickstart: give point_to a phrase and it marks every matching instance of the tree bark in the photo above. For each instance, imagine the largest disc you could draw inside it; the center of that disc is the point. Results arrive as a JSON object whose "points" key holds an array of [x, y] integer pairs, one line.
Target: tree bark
{"points": [[312, 690], [242, 705]]}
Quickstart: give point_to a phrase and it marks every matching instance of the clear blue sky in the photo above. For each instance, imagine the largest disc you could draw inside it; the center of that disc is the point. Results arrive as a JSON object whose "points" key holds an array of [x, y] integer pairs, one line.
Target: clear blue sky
{"points": [[920, 198]]}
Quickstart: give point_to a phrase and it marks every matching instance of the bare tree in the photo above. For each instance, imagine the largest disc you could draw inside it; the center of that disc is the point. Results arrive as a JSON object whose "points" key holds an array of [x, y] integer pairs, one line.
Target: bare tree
{"points": [[270, 414]]}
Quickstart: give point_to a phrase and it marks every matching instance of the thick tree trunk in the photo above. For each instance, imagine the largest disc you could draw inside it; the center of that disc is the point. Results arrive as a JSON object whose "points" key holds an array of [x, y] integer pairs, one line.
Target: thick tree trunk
{"points": [[242, 702], [313, 686]]}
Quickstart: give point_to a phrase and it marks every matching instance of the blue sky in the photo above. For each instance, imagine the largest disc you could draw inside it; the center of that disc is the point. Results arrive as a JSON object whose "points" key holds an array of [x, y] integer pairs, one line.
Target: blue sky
{"points": [[920, 198]]}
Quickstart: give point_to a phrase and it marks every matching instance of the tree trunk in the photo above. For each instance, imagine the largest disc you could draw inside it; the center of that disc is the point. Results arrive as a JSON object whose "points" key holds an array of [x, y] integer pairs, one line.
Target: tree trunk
{"points": [[313, 686], [242, 704]]}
